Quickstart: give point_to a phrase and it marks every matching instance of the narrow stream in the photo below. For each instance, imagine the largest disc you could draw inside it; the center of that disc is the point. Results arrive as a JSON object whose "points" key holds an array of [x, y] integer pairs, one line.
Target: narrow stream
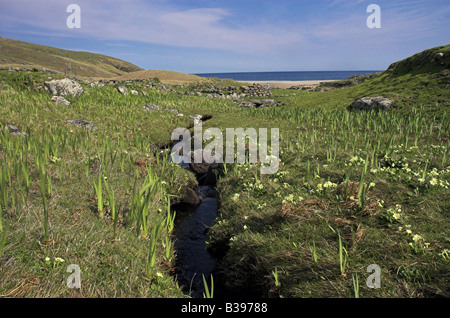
{"points": [[193, 260], [190, 232]]}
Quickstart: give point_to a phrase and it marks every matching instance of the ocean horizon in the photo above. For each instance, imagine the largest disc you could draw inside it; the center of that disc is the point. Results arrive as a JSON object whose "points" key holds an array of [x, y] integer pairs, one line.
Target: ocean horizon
{"points": [[286, 76]]}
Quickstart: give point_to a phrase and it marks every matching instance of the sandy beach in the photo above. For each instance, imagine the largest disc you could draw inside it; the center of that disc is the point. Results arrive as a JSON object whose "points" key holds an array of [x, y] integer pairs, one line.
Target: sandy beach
{"points": [[287, 84]]}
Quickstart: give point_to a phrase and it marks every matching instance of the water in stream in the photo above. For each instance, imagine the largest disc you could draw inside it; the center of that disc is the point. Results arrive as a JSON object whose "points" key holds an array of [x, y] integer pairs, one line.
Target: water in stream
{"points": [[193, 260]]}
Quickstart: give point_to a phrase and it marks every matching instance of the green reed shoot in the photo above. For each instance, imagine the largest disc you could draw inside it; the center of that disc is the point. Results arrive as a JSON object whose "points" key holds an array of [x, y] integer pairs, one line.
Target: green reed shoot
{"points": [[208, 293], [168, 244], [112, 206], [314, 253], [355, 285], [98, 191], [155, 233], [4, 231], [170, 218], [276, 277], [3, 189], [43, 189], [343, 255]]}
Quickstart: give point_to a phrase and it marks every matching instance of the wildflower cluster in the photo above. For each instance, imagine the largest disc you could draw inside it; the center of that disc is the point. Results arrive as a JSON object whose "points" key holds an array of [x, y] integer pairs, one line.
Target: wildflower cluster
{"points": [[396, 215], [417, 242], [322, 189], [291, 198], [356, 161], [393, 215], [433, 178], [279, 176], [256, 188], [55, 264]]}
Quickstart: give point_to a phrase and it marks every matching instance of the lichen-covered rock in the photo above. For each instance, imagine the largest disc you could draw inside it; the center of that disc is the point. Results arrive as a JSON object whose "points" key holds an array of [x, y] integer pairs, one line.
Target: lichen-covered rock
{"points": [[64, 87], [372, 103]]}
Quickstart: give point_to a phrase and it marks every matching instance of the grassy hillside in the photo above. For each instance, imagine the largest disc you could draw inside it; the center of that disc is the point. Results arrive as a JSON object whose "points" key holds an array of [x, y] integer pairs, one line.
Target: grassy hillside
{"points": [[353, 189], [167, 77], [26, 55]]}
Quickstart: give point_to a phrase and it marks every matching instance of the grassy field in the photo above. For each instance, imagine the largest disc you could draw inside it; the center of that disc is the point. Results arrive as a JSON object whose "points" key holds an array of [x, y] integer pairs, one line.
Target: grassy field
{"points": [[353, 189]]}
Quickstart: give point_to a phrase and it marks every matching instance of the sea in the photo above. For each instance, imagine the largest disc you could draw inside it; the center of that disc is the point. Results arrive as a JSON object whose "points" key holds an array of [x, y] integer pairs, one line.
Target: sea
{"points": [[287, 76]]}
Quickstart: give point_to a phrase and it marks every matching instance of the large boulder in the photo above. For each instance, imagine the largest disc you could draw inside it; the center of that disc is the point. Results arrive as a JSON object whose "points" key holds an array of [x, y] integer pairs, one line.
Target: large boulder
{"points": [[64, 87], [372, 103]]}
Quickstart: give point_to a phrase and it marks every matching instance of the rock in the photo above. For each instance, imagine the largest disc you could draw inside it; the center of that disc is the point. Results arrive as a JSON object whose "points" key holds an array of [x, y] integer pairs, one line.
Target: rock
{"points": [[3, 86], [64, 87], [164, 87], [191, 197], [60, 100], [122, 90], [13, 130], [372, 103], [174, 111], [151, 107], [82, 123], [96, 84], [205, 172], [204, 192], [133, 92], [259, 103], [197, 119]]}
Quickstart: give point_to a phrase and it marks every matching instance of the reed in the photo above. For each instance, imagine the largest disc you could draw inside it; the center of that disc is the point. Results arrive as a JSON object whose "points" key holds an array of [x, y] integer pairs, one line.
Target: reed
{"points": [[208, 293], [99, 193]]}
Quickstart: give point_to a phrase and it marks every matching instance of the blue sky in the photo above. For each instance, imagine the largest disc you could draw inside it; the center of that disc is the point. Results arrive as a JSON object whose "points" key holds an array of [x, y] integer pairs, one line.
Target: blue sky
{"points": [[201, 36]]}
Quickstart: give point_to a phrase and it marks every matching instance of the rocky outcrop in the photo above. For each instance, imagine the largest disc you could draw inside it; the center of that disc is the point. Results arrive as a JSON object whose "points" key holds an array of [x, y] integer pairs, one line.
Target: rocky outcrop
{"points": [[64, 87], [372, 103]]}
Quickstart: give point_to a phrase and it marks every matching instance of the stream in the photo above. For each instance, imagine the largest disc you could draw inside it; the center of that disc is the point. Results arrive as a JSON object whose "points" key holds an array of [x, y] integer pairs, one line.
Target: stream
{"points": [[192, 258], [190, 233]]}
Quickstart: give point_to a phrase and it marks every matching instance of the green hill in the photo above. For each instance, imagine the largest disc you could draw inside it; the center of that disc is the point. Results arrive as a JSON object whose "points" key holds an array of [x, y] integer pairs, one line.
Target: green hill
{"points": [[430, 61], [24, 55]]}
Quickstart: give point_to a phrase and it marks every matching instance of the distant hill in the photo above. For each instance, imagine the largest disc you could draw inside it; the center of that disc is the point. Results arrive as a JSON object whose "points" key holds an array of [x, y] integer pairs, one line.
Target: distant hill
{"points": [[24, 55], [430, 61], [168, 77]]}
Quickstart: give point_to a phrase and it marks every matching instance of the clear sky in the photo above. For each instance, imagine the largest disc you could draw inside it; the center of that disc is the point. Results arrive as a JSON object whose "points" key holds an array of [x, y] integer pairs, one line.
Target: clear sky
{"points": [[201, 36]]}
